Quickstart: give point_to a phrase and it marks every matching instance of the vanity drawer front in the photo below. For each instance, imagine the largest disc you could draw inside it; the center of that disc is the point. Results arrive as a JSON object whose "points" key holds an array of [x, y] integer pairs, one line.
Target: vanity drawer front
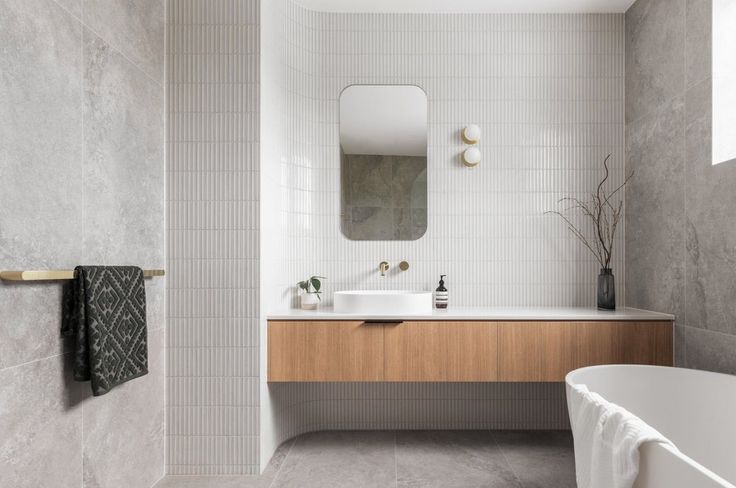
{"points": [[535, 351], [325, 351], [624, 343], [441, 351]]}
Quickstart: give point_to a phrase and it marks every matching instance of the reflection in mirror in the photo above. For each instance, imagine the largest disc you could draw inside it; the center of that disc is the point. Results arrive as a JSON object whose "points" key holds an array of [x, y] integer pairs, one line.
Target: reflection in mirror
{"points": [[383, 162]]}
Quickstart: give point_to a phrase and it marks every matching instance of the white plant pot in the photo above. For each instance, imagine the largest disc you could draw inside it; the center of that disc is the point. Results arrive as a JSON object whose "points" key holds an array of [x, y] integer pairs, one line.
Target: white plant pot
{"points": [[309, 301]]}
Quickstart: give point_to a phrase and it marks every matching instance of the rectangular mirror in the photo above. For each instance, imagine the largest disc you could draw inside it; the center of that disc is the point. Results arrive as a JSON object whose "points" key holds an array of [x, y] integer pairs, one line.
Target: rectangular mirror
{"points": [[383, 162]]}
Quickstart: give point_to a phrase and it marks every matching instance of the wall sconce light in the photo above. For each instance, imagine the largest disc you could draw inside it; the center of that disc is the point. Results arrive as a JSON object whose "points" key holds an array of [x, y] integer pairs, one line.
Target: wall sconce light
{"points": [[471, 134], [471, 157]]}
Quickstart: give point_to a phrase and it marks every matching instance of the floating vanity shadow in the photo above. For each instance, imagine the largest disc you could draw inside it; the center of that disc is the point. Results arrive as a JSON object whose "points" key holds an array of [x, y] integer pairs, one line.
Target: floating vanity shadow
{"points": [[383, 162]]}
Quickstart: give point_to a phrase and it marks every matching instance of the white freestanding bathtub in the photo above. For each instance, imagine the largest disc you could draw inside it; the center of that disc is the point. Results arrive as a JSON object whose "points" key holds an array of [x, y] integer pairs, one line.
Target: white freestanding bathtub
{"points": [[696, 410]]}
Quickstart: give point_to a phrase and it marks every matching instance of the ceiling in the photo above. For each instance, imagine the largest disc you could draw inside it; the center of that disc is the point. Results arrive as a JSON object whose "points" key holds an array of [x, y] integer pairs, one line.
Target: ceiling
{"points": [[470, 6]]}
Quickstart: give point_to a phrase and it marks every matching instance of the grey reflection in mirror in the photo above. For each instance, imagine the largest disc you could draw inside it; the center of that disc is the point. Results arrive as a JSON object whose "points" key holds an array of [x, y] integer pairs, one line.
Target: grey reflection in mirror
{"points": [[383, 162]]}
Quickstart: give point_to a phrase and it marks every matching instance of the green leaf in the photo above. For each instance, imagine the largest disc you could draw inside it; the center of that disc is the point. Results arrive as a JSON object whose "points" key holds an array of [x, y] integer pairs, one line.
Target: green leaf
{"points": [[315, 283], [304, 285]]}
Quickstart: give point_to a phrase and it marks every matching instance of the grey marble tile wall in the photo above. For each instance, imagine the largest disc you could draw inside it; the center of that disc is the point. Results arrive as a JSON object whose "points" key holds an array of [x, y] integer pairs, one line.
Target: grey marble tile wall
{"points": [[82, 165], [680, 251]]}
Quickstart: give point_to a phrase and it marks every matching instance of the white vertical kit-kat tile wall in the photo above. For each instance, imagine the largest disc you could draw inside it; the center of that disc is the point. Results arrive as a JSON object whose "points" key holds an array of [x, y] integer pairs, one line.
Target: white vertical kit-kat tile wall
{"points": [[213, 236], [547, 91]]}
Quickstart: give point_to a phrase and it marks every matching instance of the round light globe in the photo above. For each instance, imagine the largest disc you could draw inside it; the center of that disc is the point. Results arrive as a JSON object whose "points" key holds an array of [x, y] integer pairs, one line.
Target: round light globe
{"points": [[471, 134], [471, 156]]}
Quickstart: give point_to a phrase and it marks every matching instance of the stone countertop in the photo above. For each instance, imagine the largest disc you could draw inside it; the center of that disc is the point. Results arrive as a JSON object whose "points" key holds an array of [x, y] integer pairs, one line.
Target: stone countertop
{"points": [[486, 313]]}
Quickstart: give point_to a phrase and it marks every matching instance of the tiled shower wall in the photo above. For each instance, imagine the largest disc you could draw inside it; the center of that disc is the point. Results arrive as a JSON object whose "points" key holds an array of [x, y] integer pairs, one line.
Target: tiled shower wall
{"points": [[548, 92], [680, 234], [213, 236], [82, 167]]}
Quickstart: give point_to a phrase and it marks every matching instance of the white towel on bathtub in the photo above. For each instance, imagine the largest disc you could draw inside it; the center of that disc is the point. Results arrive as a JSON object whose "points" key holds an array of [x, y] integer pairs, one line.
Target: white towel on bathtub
{"points": [[607, 439]]}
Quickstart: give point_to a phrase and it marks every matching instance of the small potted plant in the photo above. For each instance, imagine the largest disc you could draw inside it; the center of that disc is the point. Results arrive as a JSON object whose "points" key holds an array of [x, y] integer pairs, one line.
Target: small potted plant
{"points": [[311, 286]]}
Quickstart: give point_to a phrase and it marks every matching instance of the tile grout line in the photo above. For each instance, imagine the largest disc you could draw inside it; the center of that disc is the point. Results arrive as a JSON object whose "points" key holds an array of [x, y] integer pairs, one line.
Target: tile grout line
{"points": [[83, 169], [288, 452], [112, 45], [396, 457], [8, 368], [506, 459]]}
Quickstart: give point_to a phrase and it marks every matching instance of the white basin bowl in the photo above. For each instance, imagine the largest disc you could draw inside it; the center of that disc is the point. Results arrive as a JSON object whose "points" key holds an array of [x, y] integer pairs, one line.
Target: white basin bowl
{"points": [[383, 302]]}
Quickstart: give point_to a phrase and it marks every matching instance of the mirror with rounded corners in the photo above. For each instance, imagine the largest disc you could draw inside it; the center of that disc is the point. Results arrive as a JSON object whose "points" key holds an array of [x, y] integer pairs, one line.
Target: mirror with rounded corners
{"points": [[383, 162]]}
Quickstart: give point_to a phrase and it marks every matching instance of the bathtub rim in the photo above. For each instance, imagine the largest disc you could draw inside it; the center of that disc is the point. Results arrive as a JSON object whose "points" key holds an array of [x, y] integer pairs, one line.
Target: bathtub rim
{"points": [[669, 451]]}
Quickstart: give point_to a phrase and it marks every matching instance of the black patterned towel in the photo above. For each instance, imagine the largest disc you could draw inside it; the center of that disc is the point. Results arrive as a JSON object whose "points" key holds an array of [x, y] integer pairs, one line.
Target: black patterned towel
{"points": [[105, 313]]}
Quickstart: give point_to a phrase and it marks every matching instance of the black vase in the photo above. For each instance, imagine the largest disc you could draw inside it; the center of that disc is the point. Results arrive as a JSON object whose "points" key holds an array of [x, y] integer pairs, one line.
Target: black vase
{"points": [[606, 290]]}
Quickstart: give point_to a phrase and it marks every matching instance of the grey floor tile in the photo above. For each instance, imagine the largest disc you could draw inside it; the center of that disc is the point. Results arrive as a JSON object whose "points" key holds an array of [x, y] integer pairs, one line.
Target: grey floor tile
{"points": [[340, 459], [409, 459], [213, 482], [263, 481], [541, 459], [278, 459], [451, 459]]}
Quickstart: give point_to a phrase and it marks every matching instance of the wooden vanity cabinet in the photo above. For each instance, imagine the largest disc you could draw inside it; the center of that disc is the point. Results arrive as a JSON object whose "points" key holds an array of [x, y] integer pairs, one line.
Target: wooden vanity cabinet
{"points": [[457, 351], [441, 351], [623, 343], [535, 351], [325, 351]]}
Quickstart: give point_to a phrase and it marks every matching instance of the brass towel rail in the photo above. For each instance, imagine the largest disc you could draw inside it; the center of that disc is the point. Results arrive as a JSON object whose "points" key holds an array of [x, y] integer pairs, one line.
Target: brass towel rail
{"points": [[65, 274]]}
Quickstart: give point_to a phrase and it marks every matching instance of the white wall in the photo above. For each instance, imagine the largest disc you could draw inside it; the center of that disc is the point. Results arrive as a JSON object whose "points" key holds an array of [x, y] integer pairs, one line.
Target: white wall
{"points": [[547, 90], [213, 237]]}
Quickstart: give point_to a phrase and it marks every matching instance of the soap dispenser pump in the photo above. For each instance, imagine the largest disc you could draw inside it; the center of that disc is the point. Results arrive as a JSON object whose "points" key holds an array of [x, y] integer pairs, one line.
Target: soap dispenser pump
{"points": [[441, 295]]}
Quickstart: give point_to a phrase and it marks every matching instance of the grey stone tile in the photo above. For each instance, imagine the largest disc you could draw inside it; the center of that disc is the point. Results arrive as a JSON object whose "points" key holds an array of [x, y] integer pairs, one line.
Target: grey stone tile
{"points": [[41, 154], [655, 236], [451, 459], [679, 346], [73, 6], [213, 482], [124, 429], [402, 224], [655, 55], [711, 258], [698, 40], [409, 223], [124, 160], [41, 425], [370, 181], [135, 27], [418, 222], [372, 223], [704, 349], [409, 182], [541, 459], [278, 459], [345, 459], [263, 481]]}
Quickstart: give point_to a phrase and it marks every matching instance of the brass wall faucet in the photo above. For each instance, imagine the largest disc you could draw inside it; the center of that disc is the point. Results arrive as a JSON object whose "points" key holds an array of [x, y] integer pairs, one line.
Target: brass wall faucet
{"points": [[383, 267]]}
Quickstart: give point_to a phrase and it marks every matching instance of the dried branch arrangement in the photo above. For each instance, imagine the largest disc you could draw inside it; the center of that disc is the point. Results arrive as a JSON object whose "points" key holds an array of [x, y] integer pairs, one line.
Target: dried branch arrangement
{"points": [[604, 215]]}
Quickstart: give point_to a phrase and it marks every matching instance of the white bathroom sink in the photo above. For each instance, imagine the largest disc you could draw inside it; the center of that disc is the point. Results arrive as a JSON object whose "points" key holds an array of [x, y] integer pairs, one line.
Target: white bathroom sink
{"points": [[383, 302]]}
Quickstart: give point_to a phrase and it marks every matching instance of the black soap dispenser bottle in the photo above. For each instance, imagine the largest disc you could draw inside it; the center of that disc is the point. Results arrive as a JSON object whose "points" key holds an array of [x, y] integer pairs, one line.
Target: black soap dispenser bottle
{"points": [[441, 295]]}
